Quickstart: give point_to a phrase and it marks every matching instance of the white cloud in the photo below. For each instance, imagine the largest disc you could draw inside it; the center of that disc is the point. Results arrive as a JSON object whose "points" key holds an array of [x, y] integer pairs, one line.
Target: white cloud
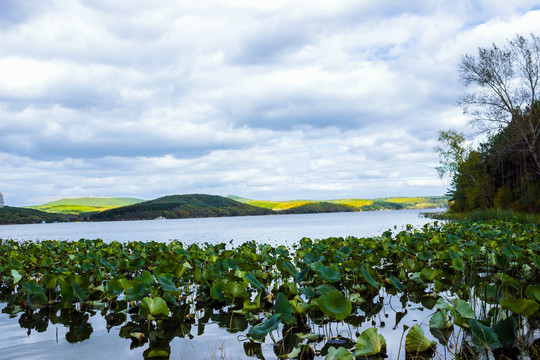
{"points": [[275, 99]]}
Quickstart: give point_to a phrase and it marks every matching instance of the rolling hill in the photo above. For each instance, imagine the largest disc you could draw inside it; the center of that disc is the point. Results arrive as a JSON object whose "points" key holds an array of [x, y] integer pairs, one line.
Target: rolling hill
{"points": [[84, 205], [394, 203], [181, 206]]}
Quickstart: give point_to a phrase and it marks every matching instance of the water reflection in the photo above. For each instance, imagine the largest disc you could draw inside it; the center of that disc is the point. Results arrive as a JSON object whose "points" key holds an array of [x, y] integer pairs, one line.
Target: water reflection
{"points": [[309, 336]]}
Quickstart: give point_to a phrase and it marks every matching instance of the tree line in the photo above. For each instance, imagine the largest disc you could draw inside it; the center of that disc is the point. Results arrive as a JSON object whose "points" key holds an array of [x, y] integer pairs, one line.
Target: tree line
{"points": [[503, 171]]}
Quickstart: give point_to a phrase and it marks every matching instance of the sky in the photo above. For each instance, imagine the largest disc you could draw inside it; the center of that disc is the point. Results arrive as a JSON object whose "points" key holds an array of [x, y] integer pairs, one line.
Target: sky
{"points": [[276, 100]]}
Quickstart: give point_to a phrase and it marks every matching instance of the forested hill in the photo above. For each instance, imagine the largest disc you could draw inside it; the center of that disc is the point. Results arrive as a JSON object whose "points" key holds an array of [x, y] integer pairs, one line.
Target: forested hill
{"points": [[181, 206], [16, 215]]}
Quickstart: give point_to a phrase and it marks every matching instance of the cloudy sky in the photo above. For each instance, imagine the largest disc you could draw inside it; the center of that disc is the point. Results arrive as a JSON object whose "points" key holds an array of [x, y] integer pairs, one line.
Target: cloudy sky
{"points": [[263, 99]]}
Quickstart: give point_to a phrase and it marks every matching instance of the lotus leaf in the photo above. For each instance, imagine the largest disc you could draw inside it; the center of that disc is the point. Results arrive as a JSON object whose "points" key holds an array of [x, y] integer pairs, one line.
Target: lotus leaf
{"points": [[397, 284], [483, 337], [284, 309], [154, 308], [506, 331], [234, 290], [326, 273], [338, 354], [216, 291], [416, 342], [458, 264], [440, 320], [524, 307], [369, 278], [369, 343], [533, 292], [254, 281], [260, 332], [428, 274], [334, 304], [16, 276]]}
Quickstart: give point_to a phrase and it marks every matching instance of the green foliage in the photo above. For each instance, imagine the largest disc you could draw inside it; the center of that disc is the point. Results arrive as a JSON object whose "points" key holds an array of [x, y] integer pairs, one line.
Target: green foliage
{"points": [[86, 204], [369, 343], [256, 288], [416, 342], [338, 354], [181, 206], [318, 207], [15, 215]]}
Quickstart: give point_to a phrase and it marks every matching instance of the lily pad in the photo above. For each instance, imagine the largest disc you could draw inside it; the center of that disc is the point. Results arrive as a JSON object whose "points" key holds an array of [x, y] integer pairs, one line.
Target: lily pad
{"points": [[338, 354], [284, 308], [335, 305], [416, 342], [154, 307], [370, 343], [523, 307], [483, 337], [260, 332], [428, 274], [440, 320]]}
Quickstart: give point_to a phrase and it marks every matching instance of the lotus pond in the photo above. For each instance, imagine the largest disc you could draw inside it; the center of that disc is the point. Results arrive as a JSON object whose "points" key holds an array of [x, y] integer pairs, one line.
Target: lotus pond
{"points": [[461, 290]]}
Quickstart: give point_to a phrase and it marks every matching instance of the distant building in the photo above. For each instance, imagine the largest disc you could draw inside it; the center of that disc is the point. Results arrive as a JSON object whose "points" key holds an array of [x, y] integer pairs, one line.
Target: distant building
{"points": [[1, 200]]}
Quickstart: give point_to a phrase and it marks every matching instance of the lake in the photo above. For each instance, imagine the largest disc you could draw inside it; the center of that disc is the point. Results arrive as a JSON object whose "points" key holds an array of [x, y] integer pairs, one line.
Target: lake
{"points": [[53, 336], [271, 229]]}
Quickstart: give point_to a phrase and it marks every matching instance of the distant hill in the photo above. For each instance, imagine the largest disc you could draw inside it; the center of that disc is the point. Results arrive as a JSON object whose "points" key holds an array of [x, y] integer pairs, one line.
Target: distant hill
{"points": [[181, 206], [16, 215], [85, 204], [318, 207], [394, 203]]}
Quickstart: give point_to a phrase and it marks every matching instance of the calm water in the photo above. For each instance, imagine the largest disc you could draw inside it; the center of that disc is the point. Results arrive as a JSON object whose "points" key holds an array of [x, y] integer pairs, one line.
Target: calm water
{"points": [[17, 342], [272, 229]]}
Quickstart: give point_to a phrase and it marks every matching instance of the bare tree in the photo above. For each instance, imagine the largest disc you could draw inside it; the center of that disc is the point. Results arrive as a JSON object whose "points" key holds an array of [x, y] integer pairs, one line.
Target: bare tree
{"points": [[504, 85]]}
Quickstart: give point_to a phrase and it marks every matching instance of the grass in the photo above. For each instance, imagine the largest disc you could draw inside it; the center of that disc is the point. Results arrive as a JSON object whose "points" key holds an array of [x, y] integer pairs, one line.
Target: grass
{"points": [[489, 214], [84, 205], [409, 202]]}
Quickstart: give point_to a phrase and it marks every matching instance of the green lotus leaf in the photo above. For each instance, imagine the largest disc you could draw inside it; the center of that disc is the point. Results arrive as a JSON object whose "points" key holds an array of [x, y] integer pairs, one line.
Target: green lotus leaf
{"points": [[506, 331], [157, 354], [32, 287], [260, 332], [326, 273], [463, 308], [458, 264], [290, 268], [442, 304], [17, 276], [252, 305], [532, 292], [284, 308], [154, 307], [428, 274], [338, 354], [254, 281], [298, 305], [369, 343], [167, 285], [524, 307], [299, 277], [147, 278], [367, 276], [397, 284], [483, 337], [234, 290], [440, 320], [335, 305], [416, 342], [216, 291]]}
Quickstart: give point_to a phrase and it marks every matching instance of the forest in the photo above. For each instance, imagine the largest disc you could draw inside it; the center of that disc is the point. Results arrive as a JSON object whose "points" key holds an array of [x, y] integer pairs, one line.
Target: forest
{"points": [[503, 171]]}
